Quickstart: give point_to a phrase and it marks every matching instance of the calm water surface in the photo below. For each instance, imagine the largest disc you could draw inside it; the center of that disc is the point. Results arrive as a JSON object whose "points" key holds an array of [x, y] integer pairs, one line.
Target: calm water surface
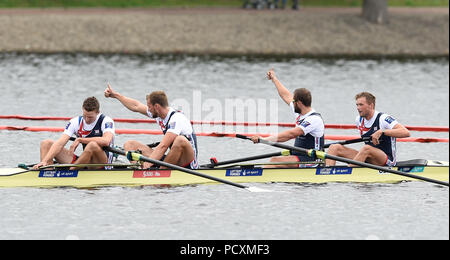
{"points": [[414, 92]]}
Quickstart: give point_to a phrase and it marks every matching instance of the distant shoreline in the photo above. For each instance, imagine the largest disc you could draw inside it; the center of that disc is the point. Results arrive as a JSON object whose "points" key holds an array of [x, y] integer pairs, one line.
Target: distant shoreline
{"points": [[247, 56], [310, 32]]}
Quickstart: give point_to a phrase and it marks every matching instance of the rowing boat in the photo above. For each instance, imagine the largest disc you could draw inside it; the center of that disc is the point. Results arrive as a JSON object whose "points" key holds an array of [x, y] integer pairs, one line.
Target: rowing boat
{"points": [[60, 177]]}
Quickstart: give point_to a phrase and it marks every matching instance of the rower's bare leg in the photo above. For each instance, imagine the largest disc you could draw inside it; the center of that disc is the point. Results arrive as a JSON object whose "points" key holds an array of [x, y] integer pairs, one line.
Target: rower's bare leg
{"points": [[45, 147], [134, 146], [282, 159], [341, 151], [65, 156], [181, 153], [371, 155], [93, 153]]}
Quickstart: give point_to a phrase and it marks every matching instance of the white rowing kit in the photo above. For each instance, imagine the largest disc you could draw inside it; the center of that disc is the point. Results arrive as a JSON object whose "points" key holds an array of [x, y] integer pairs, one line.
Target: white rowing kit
{"points": [[177, 123], [102, 124]]}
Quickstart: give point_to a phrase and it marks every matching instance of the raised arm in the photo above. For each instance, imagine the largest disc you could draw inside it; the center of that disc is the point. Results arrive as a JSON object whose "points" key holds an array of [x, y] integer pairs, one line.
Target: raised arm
{"points": [[131, 104], [284, 93]]}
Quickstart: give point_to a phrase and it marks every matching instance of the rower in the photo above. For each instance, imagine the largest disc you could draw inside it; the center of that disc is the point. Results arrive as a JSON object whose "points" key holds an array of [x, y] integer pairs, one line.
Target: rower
{"points": [[308, 131], [383, 130], [178, 132], [93, 130]]}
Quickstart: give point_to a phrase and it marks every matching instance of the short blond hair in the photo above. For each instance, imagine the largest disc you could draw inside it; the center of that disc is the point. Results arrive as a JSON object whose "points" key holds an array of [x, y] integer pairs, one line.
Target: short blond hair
{"points": [[371, 99], [158, 97]]}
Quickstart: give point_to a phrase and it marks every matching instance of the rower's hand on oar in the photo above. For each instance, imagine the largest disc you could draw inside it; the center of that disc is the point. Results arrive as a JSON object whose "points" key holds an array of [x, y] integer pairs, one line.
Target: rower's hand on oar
{"points": [[74, 145], [41, 164], [109, 92], [376, 137], [255, 139], [146, 165]]}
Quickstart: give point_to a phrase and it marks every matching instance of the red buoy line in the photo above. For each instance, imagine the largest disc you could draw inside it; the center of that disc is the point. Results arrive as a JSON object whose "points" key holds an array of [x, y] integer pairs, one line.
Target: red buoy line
{"points": [[225, 123], [215, 134]]}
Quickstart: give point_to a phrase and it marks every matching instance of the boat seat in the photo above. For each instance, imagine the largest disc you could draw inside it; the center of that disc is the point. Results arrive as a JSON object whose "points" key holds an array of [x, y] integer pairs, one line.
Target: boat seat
{"points": [[415, 162]]}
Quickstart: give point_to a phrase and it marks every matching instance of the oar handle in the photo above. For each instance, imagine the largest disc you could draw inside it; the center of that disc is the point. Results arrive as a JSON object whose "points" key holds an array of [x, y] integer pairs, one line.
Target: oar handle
{"points": [[153, 145], [353, 141], [215, 163], [243, 137]]}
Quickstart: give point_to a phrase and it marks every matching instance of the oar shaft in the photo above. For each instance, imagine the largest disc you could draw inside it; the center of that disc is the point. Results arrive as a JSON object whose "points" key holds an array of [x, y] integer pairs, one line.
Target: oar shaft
{"points": [[353, 141], [323, 156], [381, 168], [139, 157], [246, 159]]}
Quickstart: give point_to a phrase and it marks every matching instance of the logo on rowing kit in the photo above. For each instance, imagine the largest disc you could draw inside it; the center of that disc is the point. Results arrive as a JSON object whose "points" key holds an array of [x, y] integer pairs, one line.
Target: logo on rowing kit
{"points": [[334, 171], [305, 124], [389, 119], [108, 125], [152, 174], [244, 172], [58, 174]]}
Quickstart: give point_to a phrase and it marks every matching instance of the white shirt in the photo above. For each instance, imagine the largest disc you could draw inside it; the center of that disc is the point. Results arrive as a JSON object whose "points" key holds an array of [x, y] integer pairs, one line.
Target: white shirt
{"points": [[311, 124], [179, 124], [79, 128], [74, 124], [386, 122]]}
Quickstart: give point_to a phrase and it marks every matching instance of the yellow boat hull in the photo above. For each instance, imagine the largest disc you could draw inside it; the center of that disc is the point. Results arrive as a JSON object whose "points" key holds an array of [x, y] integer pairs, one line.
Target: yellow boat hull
{"points": [[16, 177]]}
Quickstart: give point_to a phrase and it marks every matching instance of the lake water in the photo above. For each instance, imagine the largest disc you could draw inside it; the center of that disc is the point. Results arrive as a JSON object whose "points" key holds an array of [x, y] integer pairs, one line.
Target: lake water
{"points": [[216, 88]]}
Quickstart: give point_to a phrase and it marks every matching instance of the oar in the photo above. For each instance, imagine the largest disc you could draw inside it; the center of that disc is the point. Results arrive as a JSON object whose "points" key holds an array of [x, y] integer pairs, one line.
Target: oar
{"points": [[323, 155], [353, 141], [115, 165], [152, 145], [139, 157], [215, 163], [264, 163]]}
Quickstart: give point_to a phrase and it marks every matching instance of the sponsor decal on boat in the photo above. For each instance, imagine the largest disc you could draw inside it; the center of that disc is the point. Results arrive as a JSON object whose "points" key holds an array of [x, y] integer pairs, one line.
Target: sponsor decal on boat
{"points": [[412, 169], [58, 174], [244, 172], [152, 174], [334, 171]]}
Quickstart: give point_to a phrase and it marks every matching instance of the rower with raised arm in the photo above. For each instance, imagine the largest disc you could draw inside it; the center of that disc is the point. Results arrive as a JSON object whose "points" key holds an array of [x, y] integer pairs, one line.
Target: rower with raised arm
{"points": [[383, 130], [93, 130], [309, 129], [179, 134]]}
